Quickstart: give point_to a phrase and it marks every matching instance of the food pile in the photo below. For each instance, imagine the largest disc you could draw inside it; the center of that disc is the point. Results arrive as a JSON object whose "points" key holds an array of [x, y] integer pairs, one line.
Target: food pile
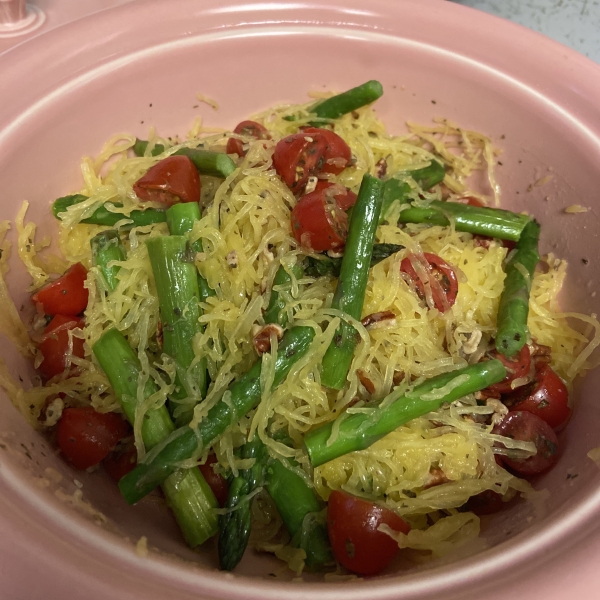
{"points": [[309, 333]]}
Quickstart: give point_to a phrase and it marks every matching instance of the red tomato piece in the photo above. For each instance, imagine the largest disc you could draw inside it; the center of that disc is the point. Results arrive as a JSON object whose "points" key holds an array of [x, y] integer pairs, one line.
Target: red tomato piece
{"points": [[85, 436], [548, 399], [525, 426], [338, 154], [297, 157], [248, 128], [517, 367], [355, 540], [487, 502], [54, 346], [435, 273], [65, 296], [318, 223], [218, 484], [121, 461], [174, 179], [344, 197]]}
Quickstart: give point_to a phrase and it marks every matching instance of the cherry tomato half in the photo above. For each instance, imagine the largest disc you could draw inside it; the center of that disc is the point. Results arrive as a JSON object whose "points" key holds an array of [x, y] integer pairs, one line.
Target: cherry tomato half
{"points": [[436, 272], [297, 157], [54, 346], [487, 502], [218, 484], [120, 461], [338, 153], [356, 542], [318, 223], [86, 437], [248, 128], [344, 197], [174, 179], [66, 295], [548, 399], [517, 367], [525, 426]]}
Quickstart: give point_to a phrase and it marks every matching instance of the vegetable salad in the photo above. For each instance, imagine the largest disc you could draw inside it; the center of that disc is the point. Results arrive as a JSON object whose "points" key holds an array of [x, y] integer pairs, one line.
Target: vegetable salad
{"points": [[312, 335]]}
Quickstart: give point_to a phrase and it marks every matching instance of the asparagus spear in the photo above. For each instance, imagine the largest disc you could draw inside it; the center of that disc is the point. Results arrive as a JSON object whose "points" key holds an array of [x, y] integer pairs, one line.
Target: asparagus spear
{"points": [[298, 506], [491, 222], [275, 312], [216, 164], [102, 216], [318, 267], [177, 289], [189, 496], [244, 395], [358, 431], [180, 219], [397, 191], [341, 104], [514, 302], [350, 292], [235, 526], [106, 248]]}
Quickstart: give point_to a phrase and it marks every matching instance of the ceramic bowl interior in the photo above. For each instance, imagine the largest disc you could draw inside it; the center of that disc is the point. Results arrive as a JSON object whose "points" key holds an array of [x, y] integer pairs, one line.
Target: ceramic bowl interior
{"points": [[141, 65]]}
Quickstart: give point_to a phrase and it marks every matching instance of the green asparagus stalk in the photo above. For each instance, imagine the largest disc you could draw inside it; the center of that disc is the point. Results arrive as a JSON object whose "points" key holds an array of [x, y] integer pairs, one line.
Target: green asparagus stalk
{"points": [[396, 190], [318, 267], [299, 506], [235, 526], [276, 312], [244, 395], [180, 219], [216, 164], [350, 292], [188, 495], [514, 302], [178, 299], [107, 248], [491, 222], [358, 431], [102, 216], [341, 104]]}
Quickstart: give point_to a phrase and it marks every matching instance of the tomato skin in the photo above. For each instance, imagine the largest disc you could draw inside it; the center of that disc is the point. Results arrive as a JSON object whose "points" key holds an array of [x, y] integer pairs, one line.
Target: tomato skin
{"points": [[55, 344], [218, 484], [250, 129], [356, 543], [318, 223], [525, 426], [338, 154], [516, 367], [174, 179], [344, 197], [549, 398], [120, 462], [442, 278], [297, 157], [487, 502], [85, 436], [65, 296]]}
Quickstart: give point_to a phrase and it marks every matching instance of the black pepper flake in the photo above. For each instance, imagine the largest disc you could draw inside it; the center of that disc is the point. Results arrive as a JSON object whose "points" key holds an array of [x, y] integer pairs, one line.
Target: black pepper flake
{"points": [[499, 163], [433, 102], [572, 475], [502, 137], [585, 261], [150, 105]]}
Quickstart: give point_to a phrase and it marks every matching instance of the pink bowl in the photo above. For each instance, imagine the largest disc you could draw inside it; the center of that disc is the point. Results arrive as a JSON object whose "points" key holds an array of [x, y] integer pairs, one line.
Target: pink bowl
{"points": [[65, 92]]}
